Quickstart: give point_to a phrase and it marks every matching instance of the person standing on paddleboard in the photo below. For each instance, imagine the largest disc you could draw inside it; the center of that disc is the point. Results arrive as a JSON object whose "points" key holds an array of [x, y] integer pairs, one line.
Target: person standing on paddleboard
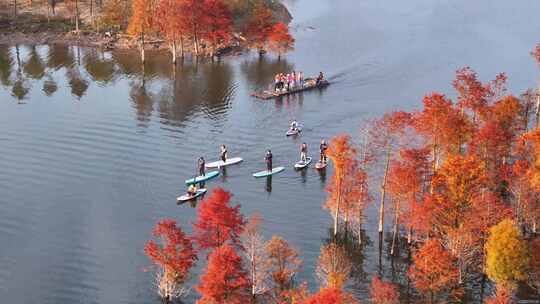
{"points": [[223, 154], [303, 152], [201, 164], [323, 148], [268, 159]]}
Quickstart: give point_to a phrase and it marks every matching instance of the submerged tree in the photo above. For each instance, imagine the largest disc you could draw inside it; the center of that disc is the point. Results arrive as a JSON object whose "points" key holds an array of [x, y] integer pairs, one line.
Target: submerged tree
{"points": [[280, 40], [283, 263], [333, 266], [255, 255], [217, 222], [174, 255], [225, 280]]}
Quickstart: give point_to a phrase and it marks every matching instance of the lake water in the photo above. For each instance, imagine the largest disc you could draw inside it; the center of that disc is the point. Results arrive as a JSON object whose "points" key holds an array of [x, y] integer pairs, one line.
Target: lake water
{"points": [[94, 149]]}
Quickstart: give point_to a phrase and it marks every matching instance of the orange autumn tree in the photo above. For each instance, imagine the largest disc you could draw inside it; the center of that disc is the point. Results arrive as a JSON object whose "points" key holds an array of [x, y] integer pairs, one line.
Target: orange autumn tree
{"points": [[217, 222], [225, 280], [283, 263], [174, 254], [406, 183], [433, 269], [383, 292], [259, 27], [280, 40], [384, 137], [343, 155], [194, 17], [330, 296], [443, 127], [351, 197], [171, 24], [217, 23], [333, 266], [141, 21], [502, 296]]}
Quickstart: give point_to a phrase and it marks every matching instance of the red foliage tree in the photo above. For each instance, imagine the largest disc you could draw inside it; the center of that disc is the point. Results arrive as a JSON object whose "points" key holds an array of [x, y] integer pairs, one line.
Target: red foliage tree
{"points": [[383, 292], [217, 222], [280, 40], [406, 181], [171, 24], [259, 27], [442, 126], [331, 296], [433, 269], [173, 253], [384, 135], [217, 23], [141, 21], [225, 280], [343, 156]]}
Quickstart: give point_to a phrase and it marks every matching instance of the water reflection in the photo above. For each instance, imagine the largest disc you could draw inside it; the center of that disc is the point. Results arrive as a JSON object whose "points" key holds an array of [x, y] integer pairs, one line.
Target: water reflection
{"points": [[174, 92], [260, 73]]}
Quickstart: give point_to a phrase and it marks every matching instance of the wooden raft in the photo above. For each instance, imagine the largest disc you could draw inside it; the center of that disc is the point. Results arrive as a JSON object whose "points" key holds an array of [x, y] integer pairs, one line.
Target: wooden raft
{"points": [[309, 85]]}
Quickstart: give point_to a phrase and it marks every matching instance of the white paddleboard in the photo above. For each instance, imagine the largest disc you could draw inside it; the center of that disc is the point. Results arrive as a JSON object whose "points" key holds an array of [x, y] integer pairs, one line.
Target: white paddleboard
{"points": [[187, 197], [265, 173], [301, 164], [320, 165], [220, 163], [293, 132]]}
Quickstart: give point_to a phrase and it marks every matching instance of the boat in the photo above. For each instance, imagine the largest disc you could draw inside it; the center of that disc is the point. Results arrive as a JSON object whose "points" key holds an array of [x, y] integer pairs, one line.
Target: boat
{"points": [[309, 84]]}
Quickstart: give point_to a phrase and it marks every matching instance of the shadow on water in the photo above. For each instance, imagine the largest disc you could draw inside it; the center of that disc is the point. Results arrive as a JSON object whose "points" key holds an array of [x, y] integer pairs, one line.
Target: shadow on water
{"points": [[268, 185]]}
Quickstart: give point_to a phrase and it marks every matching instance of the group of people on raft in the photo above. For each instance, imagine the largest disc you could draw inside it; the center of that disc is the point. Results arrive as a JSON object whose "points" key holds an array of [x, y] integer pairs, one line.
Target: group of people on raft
{"points": [[287, 82], [201, 163]]}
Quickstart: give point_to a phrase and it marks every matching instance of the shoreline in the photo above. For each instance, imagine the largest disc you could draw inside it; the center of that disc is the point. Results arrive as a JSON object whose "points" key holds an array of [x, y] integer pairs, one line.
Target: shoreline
{"points": [[99, 40]]}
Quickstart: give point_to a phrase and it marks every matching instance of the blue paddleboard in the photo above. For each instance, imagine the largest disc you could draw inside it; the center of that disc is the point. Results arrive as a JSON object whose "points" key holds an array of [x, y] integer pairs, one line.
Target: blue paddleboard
{"points": [[268, 173], [202, 178]]}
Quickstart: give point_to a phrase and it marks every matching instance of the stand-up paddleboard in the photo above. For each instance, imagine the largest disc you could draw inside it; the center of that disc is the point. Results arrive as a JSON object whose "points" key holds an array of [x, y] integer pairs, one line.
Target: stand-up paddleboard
{"points": [[320, 166], [293, 132], [265, 173], [303, 164], [202, 178], [220, 163], [187, 197]]}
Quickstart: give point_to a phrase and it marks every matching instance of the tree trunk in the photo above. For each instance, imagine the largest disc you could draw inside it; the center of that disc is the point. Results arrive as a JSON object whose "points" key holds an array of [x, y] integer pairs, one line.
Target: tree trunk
{"points": [[395, 230], [182, 46], [15, 8], [383, 190], [92, 13], [173, 51], [338, 202], [142, 47], [77, 16]]}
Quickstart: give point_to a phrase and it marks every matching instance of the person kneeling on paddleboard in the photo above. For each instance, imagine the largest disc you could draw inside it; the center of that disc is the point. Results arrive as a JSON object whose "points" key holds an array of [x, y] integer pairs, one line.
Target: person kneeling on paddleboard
{"points": [[303, 152], [323, 148], [201, 163], [294, 125], [223, 154], [268, 159], [192, 190]]}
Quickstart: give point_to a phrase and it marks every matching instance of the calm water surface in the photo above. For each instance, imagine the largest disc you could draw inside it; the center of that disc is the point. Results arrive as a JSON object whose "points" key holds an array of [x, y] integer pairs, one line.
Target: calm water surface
{"points": [[94, 149]]}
